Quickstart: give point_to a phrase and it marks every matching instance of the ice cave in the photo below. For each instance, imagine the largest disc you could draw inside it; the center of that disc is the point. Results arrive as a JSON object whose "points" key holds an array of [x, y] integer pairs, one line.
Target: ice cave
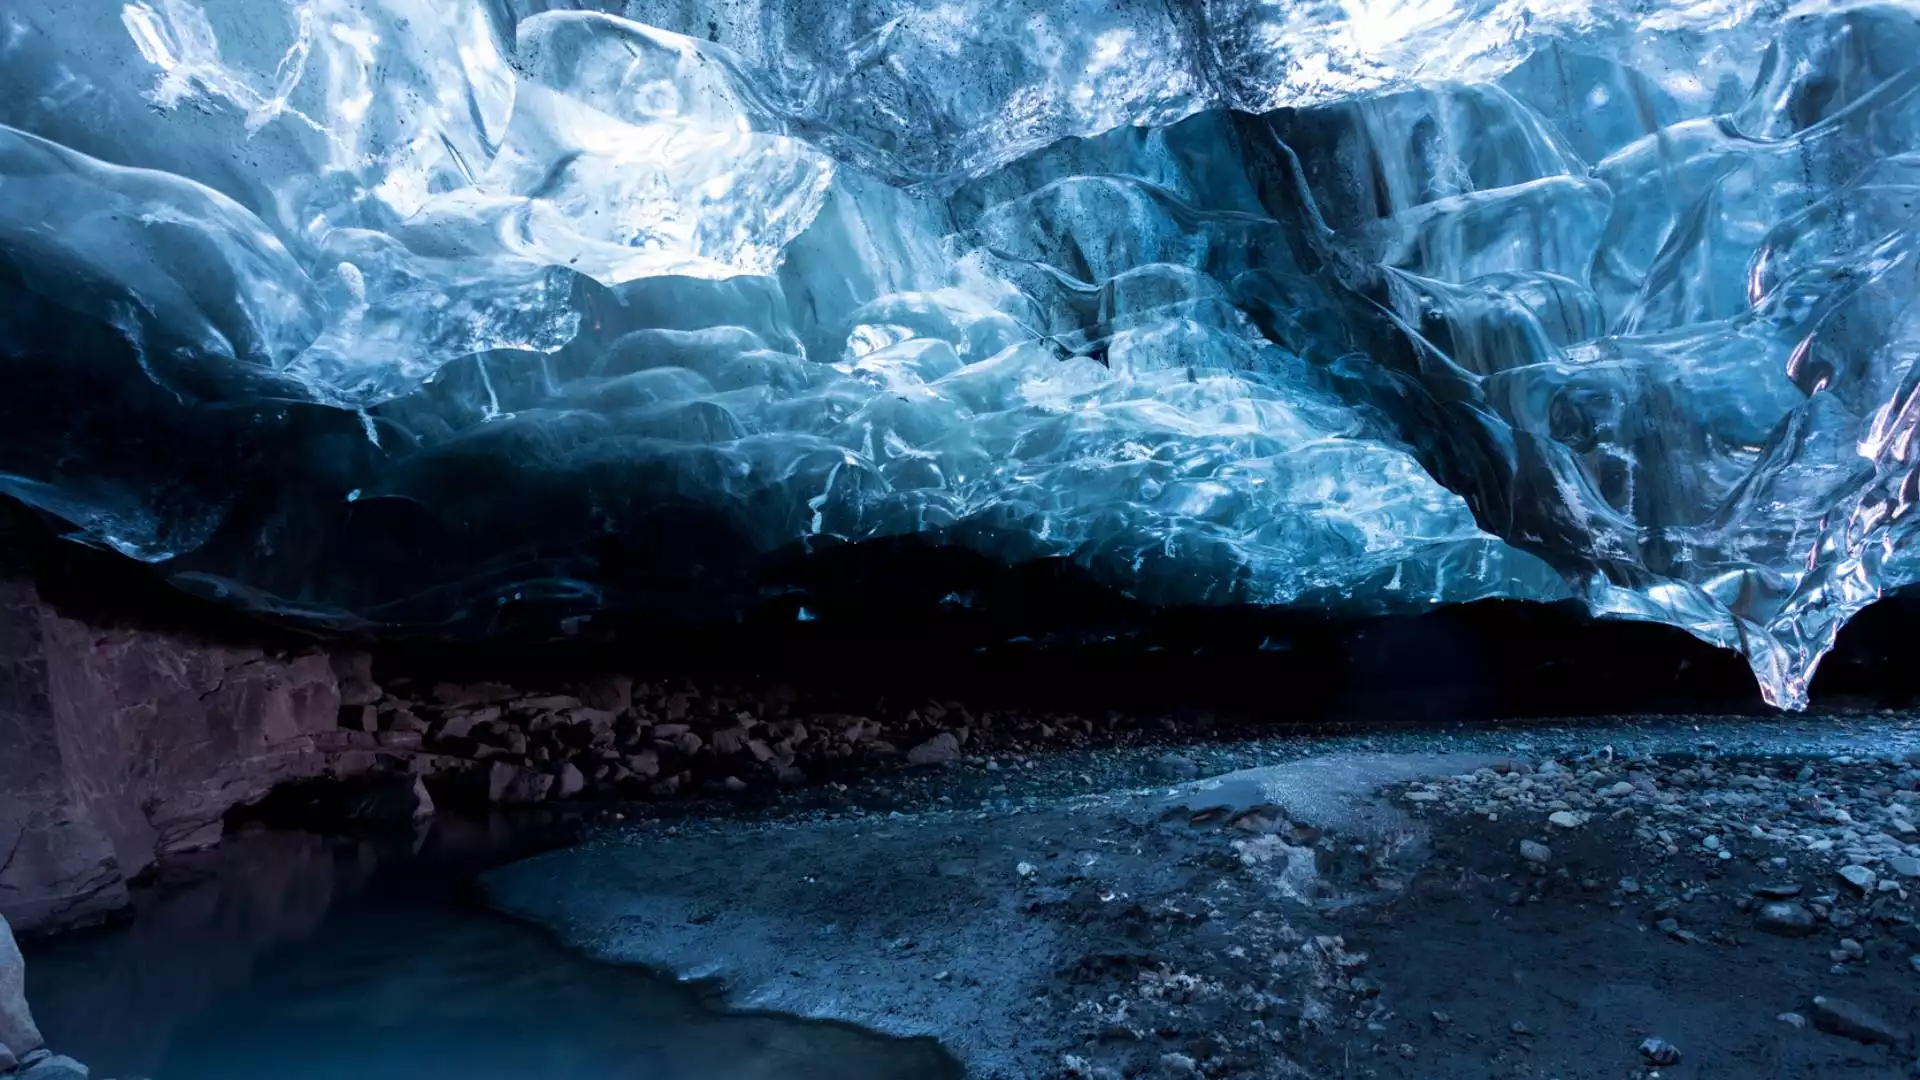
{"points": [[392, 313], [376, 375]]}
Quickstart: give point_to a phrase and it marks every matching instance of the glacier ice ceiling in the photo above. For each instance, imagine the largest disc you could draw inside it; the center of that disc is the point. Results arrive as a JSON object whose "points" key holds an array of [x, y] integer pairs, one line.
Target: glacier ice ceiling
{"points": [[387, 312]]}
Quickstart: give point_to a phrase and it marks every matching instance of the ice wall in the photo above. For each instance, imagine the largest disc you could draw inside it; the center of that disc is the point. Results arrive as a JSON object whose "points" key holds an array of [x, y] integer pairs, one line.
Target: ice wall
{"points": [[394, 311]]}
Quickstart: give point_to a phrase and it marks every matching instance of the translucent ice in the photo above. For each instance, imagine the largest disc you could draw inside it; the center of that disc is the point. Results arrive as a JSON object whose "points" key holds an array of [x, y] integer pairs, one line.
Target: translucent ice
{"points": [[395, 310]]}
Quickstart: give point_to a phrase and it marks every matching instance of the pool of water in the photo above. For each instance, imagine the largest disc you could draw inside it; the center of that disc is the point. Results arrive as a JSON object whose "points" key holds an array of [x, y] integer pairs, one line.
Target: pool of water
{"points": [[294, 956]]}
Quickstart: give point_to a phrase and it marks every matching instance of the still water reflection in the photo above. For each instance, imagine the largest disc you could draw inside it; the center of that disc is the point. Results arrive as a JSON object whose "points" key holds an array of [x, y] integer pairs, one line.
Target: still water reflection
{"points": [[299, 957]]}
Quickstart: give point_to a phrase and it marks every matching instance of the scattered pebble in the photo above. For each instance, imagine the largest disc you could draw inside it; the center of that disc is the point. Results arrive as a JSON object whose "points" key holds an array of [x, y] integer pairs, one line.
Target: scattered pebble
{"points": [[1178, 1065], [1859, 877], [1535, 852], [1660, 1052], [1838, 1016], [1785, 918], [1671, 927]]}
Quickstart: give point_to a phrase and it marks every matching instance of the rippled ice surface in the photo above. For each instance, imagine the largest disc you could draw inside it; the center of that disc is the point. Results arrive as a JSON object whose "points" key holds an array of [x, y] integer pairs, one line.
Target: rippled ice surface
{"points": [[392, 312], [303, 958]]}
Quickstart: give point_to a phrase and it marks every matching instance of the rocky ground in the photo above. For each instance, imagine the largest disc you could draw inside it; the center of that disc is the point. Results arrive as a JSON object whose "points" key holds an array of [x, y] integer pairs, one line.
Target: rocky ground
{"points": [[1103, 893], [1060, 894], [620, 739], [1667, 908], [1754, 915]]}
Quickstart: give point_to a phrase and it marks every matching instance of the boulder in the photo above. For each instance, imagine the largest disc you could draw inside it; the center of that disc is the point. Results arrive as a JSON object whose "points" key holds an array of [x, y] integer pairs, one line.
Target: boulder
{"points": [[941, 748], [18, 1033], [461, 725], [512, 784], [406, 720], [1850, 1020], [500, 777], [546, 703], [1786, 918], [571, 781], [613, 694], [354, 672]]}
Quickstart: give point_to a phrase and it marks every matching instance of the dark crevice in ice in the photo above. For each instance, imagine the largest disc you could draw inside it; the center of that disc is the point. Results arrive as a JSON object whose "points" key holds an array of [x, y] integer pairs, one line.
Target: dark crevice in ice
{"points": [[910, 619]]}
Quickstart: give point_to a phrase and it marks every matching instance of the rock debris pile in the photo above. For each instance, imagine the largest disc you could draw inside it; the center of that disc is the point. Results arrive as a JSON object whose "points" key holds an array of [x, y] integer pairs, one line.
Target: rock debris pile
{"points": [[615, 737]]}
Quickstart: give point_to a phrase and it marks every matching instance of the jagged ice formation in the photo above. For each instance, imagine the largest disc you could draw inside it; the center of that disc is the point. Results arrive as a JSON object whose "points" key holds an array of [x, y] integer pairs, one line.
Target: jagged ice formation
{"points": [[390, 311]]}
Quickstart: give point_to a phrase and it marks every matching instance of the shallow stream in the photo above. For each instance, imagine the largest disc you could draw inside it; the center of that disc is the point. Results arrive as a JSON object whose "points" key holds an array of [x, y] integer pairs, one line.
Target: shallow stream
{"points": [[294, 956]]}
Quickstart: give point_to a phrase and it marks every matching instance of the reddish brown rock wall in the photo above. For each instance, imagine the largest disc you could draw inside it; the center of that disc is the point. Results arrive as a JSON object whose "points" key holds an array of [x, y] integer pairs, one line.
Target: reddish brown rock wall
{"points": [[118, 746]]}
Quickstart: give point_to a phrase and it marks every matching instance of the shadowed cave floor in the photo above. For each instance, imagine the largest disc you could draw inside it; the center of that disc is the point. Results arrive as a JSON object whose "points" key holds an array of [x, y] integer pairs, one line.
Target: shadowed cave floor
{"points": [[1341, 907], [1312, 906]]}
